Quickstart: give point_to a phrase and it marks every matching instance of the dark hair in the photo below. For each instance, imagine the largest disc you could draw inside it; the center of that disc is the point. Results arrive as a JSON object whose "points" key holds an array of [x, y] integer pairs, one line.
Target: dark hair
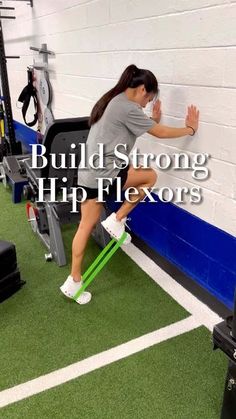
{"points": [[131, 77]]}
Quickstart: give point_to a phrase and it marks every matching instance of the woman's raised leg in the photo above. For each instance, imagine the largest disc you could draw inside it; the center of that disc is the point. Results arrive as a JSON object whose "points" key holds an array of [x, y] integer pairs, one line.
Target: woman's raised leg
{"points": [[138, 179]]}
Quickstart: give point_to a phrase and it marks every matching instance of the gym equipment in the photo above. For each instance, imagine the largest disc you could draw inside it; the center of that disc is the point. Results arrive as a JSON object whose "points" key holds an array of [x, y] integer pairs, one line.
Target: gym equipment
{"points": [[2, 175], [13, 172], [45, 89], [46, 218], [10, 279], [100, 262], [29, 92], [224, 338], [9, 143]]}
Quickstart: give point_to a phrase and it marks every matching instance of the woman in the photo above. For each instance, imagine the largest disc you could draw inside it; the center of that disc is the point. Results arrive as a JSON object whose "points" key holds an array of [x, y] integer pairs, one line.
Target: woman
{"points": [[118, 118]]}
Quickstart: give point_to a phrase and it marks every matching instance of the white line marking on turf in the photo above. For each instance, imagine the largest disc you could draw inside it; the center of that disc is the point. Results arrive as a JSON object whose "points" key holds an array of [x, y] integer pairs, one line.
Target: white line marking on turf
{"points": [[203, 314], [63, 375]]}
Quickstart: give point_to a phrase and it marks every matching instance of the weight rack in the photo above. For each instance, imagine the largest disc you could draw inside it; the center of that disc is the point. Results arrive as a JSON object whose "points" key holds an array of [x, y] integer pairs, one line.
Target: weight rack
{"points": [[9, 145]]}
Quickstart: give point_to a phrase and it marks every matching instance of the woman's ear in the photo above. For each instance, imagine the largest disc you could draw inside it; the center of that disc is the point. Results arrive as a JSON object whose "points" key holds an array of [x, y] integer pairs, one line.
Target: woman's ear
{"points": [[143, 91]]}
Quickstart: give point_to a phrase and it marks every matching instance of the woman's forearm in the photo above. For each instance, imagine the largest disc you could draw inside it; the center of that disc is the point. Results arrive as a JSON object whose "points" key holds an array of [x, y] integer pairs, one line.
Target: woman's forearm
{"points": [[163, 131]]}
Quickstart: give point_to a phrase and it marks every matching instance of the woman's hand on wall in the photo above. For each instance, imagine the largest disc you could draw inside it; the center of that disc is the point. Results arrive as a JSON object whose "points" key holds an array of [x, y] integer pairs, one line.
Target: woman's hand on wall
{"points": [[163, 131], [156, 111], [192, 118]]}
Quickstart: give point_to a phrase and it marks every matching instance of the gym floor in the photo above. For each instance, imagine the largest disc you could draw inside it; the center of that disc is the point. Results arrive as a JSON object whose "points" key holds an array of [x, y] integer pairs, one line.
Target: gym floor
{"points": [[141, 349]]}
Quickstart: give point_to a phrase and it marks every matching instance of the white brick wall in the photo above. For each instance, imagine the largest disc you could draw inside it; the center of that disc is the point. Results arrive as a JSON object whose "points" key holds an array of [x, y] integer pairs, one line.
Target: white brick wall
{"points": [[190, 45]]}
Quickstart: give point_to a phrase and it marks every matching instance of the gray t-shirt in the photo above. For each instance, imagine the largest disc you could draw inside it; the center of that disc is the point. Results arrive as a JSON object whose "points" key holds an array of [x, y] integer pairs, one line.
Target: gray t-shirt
{"points": [[122, 122]]}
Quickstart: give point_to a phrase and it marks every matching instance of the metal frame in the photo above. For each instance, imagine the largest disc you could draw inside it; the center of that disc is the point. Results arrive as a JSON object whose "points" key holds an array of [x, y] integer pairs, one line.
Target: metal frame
{"points": [[29, 2], [12, 146], [45, 53], [53, 240]]}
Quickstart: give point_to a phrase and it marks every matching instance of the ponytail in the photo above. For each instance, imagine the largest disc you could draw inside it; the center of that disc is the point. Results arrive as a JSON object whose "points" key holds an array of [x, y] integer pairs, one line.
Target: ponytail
{"points": [[131, 77]]}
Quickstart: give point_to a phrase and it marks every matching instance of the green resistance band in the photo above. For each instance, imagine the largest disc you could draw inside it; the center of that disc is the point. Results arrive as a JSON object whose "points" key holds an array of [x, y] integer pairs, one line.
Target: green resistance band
{"points": [[100, 262]]}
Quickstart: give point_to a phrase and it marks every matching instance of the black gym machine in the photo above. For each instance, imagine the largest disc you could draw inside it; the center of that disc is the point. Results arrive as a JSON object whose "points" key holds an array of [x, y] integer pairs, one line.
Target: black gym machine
{"points": [[46, 218]]}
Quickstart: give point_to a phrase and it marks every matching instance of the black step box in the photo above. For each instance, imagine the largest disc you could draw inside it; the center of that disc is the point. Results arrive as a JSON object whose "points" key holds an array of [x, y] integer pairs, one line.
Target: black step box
{"points": [[10, 279], [10, 284], [8, 262]]}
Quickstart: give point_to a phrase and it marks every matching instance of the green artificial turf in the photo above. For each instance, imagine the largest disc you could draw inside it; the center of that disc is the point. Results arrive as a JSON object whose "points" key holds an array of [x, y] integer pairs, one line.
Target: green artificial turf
{"points": [[181, 378], [41, 330]]}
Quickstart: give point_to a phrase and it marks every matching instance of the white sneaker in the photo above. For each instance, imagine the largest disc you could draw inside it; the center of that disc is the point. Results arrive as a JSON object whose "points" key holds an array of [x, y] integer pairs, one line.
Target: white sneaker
{"points": [[116, 228], [70, 287]]}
